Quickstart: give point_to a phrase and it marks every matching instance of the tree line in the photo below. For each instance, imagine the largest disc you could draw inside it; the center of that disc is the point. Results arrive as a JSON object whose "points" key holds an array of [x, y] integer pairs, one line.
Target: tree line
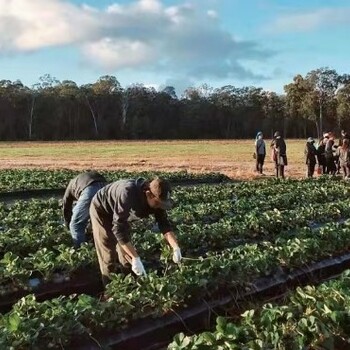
{"points": [[54, 110]]}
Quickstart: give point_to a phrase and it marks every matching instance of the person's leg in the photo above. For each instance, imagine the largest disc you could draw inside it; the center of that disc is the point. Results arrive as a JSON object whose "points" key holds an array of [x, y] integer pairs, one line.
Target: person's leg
{"points": [[312, 169], [262, 160], [282, 171], [344, 170], [277, 169], [105, 244], [80, 215]]}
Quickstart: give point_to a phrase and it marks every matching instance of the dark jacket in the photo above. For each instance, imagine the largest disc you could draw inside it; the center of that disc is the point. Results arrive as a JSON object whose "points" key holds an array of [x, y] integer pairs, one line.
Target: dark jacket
{"points": [[329, 149], [123, 201], [310, 153], [74, 189]]}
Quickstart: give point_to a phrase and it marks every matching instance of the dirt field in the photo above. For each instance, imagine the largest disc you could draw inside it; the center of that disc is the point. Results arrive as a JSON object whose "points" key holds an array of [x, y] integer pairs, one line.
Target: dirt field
{"points": [[231, 157]]}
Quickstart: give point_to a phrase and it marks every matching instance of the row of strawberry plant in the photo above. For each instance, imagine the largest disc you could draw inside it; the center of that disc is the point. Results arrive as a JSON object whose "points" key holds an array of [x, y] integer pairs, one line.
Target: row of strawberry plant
{"points": [[28, 225], [16, 270], [30, 322], [311, 318], [27, 179]]}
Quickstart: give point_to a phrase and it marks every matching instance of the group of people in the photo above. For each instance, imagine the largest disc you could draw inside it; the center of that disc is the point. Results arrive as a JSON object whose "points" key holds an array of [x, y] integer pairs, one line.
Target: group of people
{"points": [[111, 207], [331, 158], [278, 153]]}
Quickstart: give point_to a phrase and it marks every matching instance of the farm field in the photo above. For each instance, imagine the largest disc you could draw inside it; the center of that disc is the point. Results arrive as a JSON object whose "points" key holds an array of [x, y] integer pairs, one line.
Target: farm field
{"points": [[231, 235], [230, 157]]}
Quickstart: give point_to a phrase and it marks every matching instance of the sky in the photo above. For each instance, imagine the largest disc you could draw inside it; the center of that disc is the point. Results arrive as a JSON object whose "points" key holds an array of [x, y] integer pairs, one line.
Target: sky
{"points": [[184, 43]]}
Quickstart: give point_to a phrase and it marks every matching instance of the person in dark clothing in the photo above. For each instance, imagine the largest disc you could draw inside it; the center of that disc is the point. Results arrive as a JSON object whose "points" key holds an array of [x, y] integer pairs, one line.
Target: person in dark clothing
{"points": [[279, 154], [310, 156], [321, 159], [81, 189], [329, 155], [260, 152], [344, 158], [111, 210]]}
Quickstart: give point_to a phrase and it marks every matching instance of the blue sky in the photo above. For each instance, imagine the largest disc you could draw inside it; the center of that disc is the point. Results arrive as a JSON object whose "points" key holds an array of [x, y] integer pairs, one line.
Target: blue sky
{"points": [[180, 43]]}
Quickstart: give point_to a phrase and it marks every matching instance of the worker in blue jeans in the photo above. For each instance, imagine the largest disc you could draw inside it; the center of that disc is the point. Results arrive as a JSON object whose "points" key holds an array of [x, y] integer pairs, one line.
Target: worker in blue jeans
{"points": [[80, 189]]}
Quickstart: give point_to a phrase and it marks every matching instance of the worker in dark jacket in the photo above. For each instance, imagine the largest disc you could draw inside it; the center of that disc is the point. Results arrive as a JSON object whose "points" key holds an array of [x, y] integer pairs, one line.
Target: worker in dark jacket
{"points": [[111, 210], [310, 156], [279, 154], [81, 189], [329, 155]]}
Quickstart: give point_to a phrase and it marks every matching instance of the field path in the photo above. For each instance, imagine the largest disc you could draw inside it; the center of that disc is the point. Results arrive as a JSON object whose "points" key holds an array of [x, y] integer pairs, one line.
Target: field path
{"points": [[230, 157]]}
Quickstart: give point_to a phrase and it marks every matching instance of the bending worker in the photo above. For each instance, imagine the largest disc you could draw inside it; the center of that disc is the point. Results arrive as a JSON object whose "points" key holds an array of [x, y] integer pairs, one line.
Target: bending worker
{"points": [[111, 210], [81, 189]]}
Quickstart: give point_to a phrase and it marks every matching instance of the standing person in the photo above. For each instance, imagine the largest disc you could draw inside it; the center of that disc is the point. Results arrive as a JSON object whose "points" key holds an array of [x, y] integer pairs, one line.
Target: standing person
{"points": [[111, 210], [279, 149], [310, 156], [321, 158], [81, 189], [343, 136], [329, 155], [344, 158], [260, 151]]}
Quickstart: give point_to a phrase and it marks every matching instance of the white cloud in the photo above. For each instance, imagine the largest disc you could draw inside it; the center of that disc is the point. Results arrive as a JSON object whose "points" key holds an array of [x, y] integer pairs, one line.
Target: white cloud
{"points": [[176, 40], [310, 20], [212, 14], [110, 53]]}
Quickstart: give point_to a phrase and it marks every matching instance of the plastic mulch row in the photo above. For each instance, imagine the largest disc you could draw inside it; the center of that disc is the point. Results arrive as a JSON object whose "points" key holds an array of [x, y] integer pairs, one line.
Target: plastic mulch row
{"points": [[155, 333]]}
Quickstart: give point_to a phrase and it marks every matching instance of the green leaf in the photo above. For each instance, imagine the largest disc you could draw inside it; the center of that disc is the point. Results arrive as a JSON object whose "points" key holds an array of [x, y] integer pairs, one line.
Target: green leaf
{"points": [[14, 321]]}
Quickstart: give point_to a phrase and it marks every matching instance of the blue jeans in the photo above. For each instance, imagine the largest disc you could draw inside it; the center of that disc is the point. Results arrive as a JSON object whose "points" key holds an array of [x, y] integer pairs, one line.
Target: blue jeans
{"points": [[80, 216]]}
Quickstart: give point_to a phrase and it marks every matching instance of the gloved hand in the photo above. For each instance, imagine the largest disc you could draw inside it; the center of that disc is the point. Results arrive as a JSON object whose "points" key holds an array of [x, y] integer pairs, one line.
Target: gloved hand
{"points": [[177, 255], [137, 267]]}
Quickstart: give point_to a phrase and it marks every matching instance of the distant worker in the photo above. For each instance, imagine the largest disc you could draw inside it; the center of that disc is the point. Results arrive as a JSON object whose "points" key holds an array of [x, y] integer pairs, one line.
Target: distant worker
{"points": [[310, 156], [344, 158], [279, 154], [81, 189], [321, 158], [260, 152], [343, 136], [111, 210], [329, 154]]}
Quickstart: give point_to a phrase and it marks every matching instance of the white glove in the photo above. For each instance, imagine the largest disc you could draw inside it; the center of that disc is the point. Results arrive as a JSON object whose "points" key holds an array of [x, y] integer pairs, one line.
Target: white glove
{"points": [[137, 267], [177, 255]]}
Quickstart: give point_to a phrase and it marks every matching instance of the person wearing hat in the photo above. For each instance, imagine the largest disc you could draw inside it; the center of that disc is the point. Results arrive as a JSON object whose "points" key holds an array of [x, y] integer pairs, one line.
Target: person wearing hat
{"points": [[260, 152], [279, 154], [80, 189], [111, 210], [310, 156]]}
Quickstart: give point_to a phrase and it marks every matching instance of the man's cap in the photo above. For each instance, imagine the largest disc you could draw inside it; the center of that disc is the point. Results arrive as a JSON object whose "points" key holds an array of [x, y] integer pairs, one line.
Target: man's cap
{"points": [[161, 189], [326, 135], [276, 134], [310, 140]]}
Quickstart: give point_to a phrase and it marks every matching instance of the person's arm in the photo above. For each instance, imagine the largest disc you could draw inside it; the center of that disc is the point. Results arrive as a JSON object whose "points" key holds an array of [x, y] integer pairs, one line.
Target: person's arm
{"points": [[168, 234], [171, 239], [121, 230], [67, 204]]}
